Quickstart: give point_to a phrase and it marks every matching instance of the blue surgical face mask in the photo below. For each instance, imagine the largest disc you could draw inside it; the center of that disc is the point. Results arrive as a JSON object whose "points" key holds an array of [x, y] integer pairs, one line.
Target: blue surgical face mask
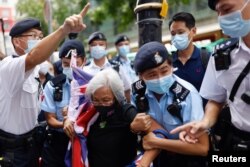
{"points": [[161, 85], [234, 25], [68, 72], [124, 50], [31, 44], [180, 41], [97, 52]]}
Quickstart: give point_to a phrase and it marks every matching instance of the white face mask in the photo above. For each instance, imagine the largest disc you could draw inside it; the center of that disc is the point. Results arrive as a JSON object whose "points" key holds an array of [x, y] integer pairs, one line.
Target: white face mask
{"points": [[233, 23], [31, 44], [181, 41], [68, 72], [97, 52], [124, 50]]}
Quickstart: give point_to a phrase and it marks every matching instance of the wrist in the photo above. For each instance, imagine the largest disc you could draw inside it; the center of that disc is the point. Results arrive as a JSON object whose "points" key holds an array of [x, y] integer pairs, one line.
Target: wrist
{"points": [[133, 130], [206, 123], [63, 30]]}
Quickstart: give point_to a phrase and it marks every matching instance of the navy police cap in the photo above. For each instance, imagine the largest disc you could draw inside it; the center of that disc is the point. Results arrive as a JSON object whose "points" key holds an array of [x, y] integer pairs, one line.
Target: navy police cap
{"points": [[212, 4], [150, 55], [71, 44], [24, 25], [121, 38], [96, 36]]}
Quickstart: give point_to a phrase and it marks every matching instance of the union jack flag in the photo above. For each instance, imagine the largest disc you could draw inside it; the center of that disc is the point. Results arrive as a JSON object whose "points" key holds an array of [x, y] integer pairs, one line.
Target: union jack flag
{"points": [[82, 113]]}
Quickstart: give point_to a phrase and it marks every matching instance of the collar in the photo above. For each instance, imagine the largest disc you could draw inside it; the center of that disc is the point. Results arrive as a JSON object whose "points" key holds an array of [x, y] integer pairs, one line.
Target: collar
{"points": [[93, 65], [122, 60], [195, 54], [242, 46]]}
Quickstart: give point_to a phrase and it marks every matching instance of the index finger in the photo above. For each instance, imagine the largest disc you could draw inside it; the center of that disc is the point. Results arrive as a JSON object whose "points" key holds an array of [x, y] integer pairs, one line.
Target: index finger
{"points": [[85, 9], [180, 128]]}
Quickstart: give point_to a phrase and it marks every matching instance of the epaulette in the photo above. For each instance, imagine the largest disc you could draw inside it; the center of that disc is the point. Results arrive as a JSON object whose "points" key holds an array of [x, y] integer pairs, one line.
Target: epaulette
{"points": [[115, 65], [58, 80], [229, 44], [179, 91]]}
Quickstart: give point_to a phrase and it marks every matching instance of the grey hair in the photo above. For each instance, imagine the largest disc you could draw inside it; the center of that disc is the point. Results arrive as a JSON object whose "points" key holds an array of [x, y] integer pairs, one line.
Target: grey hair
{"points": [[108, 78]]}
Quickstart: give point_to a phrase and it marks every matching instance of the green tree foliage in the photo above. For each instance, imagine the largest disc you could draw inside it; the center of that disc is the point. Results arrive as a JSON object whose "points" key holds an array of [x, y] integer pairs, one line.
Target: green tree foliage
{"points": [[121, 11]]}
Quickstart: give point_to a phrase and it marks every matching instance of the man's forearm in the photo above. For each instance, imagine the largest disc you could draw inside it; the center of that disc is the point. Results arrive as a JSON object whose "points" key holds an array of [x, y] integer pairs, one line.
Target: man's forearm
{"points": [[212, 112]]}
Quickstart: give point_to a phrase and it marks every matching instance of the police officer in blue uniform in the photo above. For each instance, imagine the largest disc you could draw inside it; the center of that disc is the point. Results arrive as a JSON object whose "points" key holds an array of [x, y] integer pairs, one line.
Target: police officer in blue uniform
{"points": [[227, 79], [171, 102], [55, 103], [19, 88], [122, 44]]}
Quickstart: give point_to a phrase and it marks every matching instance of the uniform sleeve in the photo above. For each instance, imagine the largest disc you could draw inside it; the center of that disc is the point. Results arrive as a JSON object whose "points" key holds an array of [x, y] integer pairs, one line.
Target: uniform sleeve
{"points": [[125, 79], [48, 103], [193, 108], [210, 89], [13, 73]]}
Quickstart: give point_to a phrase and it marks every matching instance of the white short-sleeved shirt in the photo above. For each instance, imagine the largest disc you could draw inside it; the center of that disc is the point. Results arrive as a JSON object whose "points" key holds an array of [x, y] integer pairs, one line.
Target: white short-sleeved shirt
{"points": [[93, 69], [217, 86], [129, 71], [18, 96]]}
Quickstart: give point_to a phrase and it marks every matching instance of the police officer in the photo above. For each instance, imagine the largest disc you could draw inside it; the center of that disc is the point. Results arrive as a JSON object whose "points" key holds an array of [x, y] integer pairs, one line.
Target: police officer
{"points": [[171, 102], [19, 89], [97, 47], [80, 62], [228, 81], [122, 45], [55, 103]]}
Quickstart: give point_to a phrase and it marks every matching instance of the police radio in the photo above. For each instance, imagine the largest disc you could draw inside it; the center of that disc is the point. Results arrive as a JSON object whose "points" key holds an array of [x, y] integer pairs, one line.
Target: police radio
{"points": [[222, 60], [175, 109], [58, 93], [138, 90], [222, 53], [57, 83]]}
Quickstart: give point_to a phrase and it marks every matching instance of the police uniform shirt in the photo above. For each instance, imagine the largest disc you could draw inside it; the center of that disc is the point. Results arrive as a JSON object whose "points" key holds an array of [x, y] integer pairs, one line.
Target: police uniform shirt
{"points": [[192, 108], [217, 86], [18, 96], [93, 69], [49, 105], [128, 69]]}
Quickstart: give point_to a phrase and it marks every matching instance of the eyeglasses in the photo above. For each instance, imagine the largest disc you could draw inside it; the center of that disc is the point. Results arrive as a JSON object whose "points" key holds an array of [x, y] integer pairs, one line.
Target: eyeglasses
{"points": [[102, 103], [34, 36]]}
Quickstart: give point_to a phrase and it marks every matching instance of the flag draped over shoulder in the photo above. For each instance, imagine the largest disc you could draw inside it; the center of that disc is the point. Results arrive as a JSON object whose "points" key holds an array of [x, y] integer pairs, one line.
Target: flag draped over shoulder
{"points": [[82, 112]]}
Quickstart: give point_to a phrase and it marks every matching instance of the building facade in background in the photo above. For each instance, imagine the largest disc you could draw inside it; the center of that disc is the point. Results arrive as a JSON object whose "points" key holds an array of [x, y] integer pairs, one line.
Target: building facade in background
{"points": [[7, 16]]}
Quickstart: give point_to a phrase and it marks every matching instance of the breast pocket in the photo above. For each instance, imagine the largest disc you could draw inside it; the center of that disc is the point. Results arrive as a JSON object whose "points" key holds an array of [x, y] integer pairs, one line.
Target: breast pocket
{"points": [[171, 122], [29, 97]]}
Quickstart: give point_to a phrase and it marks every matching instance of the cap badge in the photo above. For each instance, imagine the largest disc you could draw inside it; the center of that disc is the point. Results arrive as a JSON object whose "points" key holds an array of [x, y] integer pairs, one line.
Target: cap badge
{"points": [[158, 58]]}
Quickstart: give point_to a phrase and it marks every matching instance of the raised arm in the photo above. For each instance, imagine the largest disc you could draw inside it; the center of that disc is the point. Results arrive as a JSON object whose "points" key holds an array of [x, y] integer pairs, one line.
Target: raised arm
{"points": [[47, 45]]}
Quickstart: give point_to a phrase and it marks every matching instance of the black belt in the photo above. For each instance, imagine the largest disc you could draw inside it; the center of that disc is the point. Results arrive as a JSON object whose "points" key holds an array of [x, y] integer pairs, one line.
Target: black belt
{"points": [[243, 135], [8, 140]]}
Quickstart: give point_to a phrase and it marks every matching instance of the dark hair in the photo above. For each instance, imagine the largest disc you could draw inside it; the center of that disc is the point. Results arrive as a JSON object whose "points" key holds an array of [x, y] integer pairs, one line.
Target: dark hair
{"points": [[188, 18]]}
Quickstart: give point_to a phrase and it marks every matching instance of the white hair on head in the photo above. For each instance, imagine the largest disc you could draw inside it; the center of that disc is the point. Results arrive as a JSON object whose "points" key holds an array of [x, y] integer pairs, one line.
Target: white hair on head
{"points": [[108, 78]]}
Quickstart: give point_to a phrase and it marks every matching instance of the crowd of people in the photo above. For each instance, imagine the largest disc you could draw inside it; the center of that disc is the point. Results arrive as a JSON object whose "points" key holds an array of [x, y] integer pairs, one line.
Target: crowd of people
{"points": [[162, 110]]}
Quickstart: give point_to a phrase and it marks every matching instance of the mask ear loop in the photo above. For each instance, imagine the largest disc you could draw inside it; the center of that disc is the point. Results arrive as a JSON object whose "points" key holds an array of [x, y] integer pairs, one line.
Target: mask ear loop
{"points": [[21, 47]]}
